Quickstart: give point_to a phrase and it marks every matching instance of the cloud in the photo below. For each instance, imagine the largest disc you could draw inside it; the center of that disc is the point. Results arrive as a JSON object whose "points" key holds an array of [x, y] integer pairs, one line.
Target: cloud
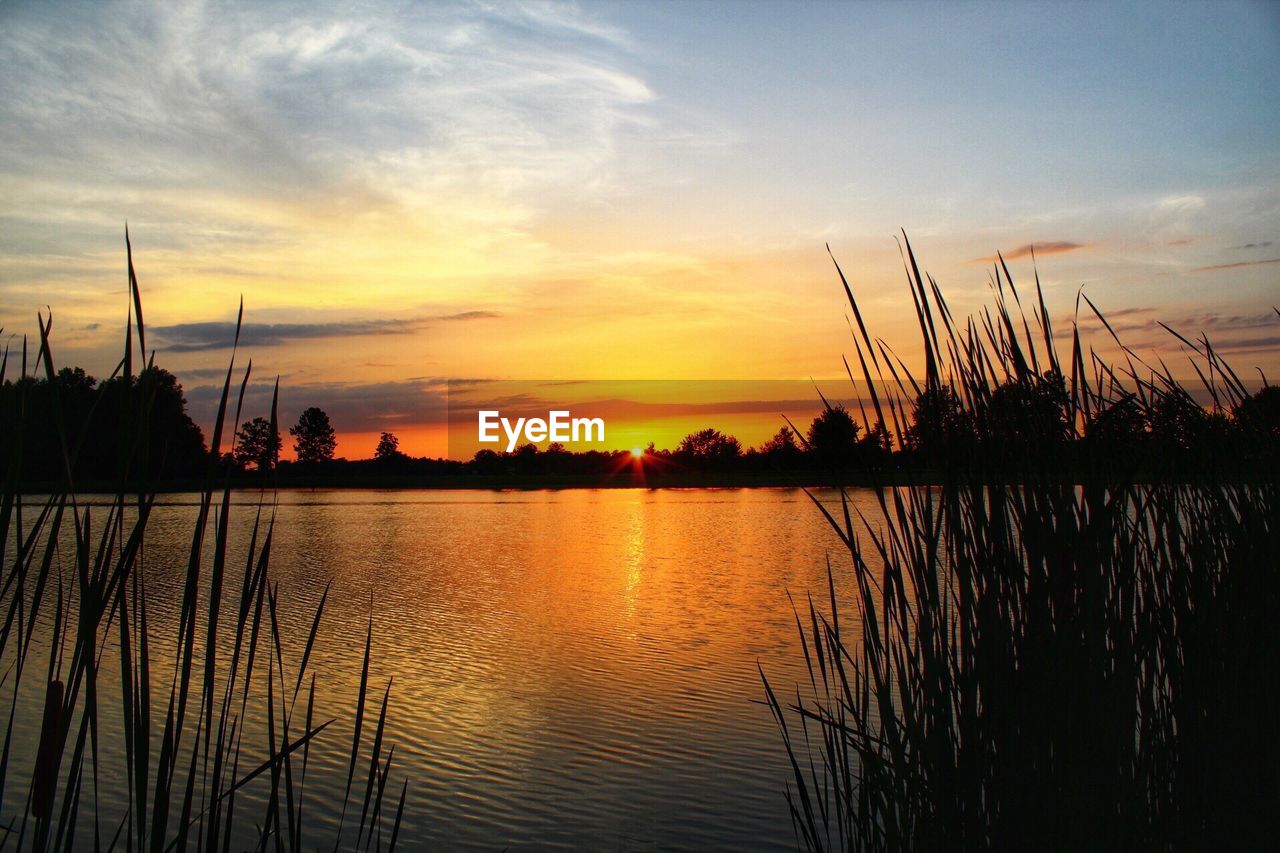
{"points": [[1264, 244], [1221, 327], [194, 374], [469, 382], [1123, 312], [1049, 247], [469, 315], [353, 407], [216, 335], [1181, 204], [198, 337], [1266, 343], [1236, 265], [530, 405], [1174, 218], [1262, 343], [194, 113], [1215, 320]]}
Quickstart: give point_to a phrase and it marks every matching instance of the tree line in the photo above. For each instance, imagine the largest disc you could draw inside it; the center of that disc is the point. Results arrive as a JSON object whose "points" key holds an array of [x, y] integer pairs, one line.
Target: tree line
{"points": [[1020, 422]]}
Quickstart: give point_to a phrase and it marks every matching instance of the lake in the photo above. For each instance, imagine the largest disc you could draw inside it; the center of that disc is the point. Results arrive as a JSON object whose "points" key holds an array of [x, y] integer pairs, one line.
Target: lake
{"points": [[571, 668]]}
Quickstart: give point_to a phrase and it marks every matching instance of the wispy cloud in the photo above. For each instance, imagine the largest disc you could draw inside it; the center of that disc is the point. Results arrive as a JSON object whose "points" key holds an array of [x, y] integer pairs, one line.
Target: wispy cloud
{"points": [[1263, 343], [1140, 327], [352, 406], [1048, 247], [216, 335], [195, 374], [196, 337], [1086, 318], [469, 315], [1220, 320], [1236, 265], [322, 111]]}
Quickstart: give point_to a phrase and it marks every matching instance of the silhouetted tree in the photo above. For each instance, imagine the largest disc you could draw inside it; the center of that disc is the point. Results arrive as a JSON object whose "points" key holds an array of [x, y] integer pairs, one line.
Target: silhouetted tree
{"points": [[782, 441], [940, 426], [833, 438], [102, 419], [1116, 438], [782, 450], [314, 438], [258, 445], [177, 443], [1258, 420], [525, 459], [708, 448], [1187, 438], [388, 447], [556, 458], [1028, 414], [1176, 421], [485, 461], [876, 446], [73, 380], [1259, 414]]}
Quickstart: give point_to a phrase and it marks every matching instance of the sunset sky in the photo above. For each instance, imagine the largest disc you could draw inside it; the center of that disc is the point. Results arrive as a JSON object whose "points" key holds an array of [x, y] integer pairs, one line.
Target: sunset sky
{"points": [[409, 193]]}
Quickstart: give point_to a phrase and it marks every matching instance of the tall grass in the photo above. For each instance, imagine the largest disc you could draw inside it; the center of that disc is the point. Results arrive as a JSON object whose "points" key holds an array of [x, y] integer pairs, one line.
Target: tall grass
{"points": [[214, 730], [1042, 656]]}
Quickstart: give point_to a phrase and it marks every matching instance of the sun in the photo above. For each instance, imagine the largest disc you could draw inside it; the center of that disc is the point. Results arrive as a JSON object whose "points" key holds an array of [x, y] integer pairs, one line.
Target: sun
{"points": [[637, 452]]}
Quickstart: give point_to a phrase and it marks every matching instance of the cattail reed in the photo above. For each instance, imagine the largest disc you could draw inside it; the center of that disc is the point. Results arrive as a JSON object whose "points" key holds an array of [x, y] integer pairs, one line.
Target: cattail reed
{"points": [[1069, 640], [195, 775]]}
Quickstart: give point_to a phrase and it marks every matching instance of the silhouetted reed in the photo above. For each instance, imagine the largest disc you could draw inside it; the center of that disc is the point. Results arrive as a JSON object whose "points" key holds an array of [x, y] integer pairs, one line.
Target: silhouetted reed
{"points": [[219, 745], [1044, 657]]}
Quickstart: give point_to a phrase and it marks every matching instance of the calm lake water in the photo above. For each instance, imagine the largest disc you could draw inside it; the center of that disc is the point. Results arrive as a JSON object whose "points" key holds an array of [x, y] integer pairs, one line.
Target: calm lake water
{"points": [[571, 668]]}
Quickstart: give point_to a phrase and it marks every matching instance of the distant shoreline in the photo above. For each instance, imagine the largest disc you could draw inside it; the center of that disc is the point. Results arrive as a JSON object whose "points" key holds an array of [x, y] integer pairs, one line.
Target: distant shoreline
{"points": [[478, 481], [546, 482]]}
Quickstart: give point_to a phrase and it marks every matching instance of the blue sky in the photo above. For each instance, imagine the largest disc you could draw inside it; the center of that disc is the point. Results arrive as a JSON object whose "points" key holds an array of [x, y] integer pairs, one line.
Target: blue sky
{"points": [[624, 190]]}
